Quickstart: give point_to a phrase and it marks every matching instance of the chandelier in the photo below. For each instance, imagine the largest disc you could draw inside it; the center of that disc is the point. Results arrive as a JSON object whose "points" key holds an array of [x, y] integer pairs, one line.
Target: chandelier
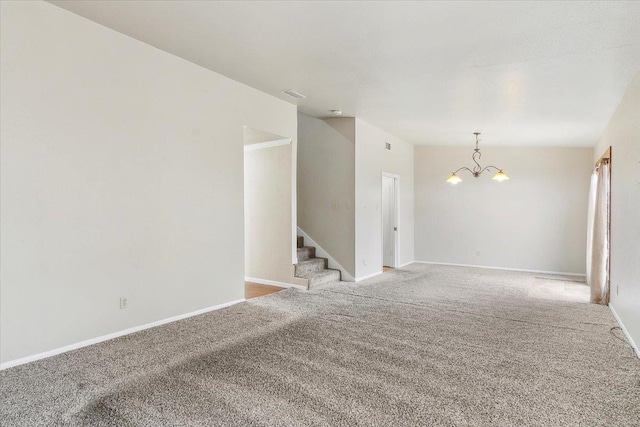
{"points": [[477, 169]]}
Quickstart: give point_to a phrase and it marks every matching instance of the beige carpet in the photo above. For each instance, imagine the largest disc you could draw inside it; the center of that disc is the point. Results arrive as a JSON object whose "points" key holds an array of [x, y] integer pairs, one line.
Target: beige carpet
{"points": [[420, 346]]}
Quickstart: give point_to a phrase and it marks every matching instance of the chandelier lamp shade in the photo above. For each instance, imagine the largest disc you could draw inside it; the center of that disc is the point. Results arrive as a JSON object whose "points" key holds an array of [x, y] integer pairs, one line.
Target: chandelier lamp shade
{"points": [[477, 170]]}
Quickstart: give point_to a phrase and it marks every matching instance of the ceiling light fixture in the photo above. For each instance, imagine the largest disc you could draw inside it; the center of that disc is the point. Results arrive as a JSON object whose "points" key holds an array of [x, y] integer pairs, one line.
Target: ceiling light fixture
{"points": [[477, 169], [336, 112]]}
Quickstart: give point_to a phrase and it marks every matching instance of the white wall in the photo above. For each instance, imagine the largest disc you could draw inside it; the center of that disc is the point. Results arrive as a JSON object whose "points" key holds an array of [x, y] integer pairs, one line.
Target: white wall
{"points": [[326, 185], [268, 209], [122, 175], [371, 160], [536, 220], [623, 135]]}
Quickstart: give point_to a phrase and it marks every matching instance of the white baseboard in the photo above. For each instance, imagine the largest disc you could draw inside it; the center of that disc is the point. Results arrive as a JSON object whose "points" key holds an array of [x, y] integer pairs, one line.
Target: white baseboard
{"points": [[345, 276], [405, 264], [369, 276], [624, 329], [561, 273], [274, 283], [111, 336]]}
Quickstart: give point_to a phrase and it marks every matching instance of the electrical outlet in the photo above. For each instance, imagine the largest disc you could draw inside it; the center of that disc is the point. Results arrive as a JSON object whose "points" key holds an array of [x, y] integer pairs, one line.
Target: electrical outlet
{"points": [[477, 253], [123, 302]]}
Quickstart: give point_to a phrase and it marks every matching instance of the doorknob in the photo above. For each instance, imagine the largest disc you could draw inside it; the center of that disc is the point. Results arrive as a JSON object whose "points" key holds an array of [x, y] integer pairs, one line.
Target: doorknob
{"points": [[395, 228]]}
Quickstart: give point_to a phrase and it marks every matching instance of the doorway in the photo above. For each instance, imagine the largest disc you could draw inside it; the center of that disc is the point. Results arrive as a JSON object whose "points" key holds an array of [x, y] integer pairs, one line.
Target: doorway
{"points": [[390, 184], [268, 211]]}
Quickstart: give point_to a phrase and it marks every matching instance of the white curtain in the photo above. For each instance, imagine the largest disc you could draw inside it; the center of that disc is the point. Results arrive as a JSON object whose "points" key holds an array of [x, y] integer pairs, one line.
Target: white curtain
{"points": [[598, 234]]}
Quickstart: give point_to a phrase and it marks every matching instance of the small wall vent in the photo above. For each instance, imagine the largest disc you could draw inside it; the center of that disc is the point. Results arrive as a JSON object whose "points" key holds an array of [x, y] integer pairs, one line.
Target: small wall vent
{"points": [[387, 146], [294, 94]]}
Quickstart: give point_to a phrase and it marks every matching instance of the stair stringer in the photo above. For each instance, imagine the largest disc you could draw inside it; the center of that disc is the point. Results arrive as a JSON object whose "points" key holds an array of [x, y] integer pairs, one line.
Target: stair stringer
{"points": [[299, 281]]}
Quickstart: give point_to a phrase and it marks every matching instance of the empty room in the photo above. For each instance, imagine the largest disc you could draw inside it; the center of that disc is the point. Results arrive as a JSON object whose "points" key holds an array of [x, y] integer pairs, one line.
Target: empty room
{"points": [[319, 213]]}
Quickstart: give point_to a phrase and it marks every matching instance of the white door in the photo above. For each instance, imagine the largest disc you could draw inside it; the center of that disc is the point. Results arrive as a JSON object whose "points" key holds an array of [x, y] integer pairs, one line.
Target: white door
{"points": [[389, 223]]}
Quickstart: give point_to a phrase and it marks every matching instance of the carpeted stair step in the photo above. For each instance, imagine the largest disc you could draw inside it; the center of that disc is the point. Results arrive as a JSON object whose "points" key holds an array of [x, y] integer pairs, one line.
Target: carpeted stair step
{"points": [[311, 266], [306, 252], [325, 276]]}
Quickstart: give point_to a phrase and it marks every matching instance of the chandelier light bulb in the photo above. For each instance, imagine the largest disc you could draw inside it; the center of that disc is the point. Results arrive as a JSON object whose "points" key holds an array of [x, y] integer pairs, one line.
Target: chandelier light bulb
{"points": [[500, 176], [454, 179]]}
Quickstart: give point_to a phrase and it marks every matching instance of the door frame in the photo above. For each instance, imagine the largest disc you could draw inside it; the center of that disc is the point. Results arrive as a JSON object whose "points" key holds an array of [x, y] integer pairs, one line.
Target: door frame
{"points": [[294, 210], [396, 239]]}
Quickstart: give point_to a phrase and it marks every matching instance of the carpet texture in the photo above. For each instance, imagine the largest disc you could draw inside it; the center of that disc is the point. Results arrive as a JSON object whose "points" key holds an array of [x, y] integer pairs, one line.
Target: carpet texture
{"points": [[421, 346]]}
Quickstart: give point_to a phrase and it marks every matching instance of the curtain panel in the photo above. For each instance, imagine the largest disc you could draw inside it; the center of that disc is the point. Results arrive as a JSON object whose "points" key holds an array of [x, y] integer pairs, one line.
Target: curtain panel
{"points": [[597, 273]]}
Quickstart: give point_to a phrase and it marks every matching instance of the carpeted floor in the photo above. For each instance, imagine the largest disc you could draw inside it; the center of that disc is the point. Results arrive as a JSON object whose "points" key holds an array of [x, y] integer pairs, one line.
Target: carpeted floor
{"points": [[419, 346]]}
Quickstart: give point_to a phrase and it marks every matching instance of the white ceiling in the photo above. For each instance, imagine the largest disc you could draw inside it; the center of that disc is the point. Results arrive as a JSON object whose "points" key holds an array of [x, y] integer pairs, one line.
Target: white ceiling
{"points": [[523, 73]]}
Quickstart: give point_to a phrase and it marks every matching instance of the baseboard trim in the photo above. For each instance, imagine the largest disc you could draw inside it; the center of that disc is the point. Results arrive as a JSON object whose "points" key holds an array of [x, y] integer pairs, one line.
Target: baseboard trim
{"points": [[562, 273], [634, 346], [91, 341], [405, 264], [274, 283], [369, 276]]}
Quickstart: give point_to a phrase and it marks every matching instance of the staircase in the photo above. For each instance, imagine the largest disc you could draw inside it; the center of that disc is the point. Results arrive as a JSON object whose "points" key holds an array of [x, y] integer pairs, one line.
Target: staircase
{"points": [[312, 268]]}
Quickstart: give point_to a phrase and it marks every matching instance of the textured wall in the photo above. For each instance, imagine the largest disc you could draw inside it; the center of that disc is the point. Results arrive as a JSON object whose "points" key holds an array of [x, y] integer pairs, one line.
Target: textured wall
{"points": [[267, 210], [536, 220], [371, 160], [623, 135], [122, 175], [326, 185]]}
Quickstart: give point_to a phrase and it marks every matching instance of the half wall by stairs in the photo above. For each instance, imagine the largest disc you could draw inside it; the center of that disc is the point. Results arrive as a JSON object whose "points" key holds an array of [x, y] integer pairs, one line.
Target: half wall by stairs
{"points": [[312, 268]]}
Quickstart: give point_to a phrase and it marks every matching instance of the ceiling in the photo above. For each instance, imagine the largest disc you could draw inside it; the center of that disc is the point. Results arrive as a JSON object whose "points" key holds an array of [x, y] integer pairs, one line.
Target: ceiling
{"points": [[523, 73]]}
